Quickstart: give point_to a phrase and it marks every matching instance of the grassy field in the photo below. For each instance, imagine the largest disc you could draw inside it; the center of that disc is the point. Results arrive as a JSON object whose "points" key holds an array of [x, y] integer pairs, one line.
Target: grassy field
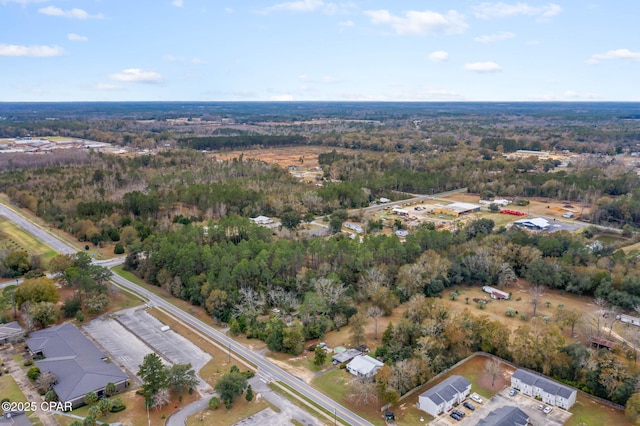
{"points": [[241, 410], [12, 237], [11, 390], [588, 412]]}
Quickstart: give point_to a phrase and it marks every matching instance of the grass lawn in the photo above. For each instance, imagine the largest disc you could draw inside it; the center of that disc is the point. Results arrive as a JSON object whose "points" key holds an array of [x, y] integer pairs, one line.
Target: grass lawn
{"points": [[241, 410], [11, 390], [335, 384], [301, 401], [135, 414], [588, 412]]}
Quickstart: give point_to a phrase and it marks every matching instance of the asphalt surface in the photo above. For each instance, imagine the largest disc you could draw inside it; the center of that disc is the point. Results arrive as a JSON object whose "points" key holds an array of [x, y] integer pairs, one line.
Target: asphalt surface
{"points": [[268, 370]]}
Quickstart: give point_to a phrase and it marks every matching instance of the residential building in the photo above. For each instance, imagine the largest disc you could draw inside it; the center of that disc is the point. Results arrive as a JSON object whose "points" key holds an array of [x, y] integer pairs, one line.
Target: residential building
{"points": [[79, 366], [505, 416], [443, 396], [10, 332], [627, 319], [261, 220], [548, 391], [364, 366], [345, 356]]}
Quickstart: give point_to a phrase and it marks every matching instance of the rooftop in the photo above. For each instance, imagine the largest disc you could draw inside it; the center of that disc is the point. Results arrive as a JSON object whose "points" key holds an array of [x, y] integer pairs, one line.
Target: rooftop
{"points": [[545, 384], [447, 389]]}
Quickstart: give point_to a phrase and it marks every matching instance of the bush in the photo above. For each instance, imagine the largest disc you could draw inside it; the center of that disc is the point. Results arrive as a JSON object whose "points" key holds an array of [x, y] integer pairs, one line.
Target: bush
{"points": [[70, 307], [214, 403], [33, 373], [117, 405], [524, 317], [118, 249], [3, 400], [510, 312], [27, 363], [79, 316]]}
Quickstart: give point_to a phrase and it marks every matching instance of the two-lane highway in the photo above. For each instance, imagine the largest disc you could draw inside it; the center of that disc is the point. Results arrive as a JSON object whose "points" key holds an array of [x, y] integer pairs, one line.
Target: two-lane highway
{"points": [[265, 367]]}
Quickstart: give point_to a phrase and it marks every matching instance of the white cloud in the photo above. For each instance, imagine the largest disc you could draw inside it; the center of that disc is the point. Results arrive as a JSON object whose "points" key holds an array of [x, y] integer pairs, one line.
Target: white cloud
{"points": [[76, 37], [177, 3], [439, 56], [346, 24], [329, 79], [71, 13], [32, 51], [306, 6], [285, 97], [229, 10], [483, 67], [571, 94], [136, 75], [420, 22], [503, 10], [492, 38], [614, 54]]}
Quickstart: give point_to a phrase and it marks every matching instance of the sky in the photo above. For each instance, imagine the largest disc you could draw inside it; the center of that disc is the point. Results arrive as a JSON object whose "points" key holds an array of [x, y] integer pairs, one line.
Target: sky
{"points": [[319, 50]]}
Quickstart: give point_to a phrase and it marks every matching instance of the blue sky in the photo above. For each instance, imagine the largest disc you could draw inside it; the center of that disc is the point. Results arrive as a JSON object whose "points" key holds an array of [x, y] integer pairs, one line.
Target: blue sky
{"points": [[401, 50]]}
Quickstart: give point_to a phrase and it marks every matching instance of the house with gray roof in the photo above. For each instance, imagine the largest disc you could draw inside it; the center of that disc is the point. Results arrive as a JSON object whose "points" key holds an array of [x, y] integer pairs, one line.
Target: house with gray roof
{"points": [[505, 416], [550, 392], [78, 365], [10, 332], [364, 366], [443, 396], [346, 356]]}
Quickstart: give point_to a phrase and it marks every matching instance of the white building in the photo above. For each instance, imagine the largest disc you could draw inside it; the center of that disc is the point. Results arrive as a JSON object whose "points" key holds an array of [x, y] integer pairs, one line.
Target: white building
{"points": [[364, 366], [442, 397], [261, 220], [537, 223], [550, 392], [353, 227], [628, 319]]}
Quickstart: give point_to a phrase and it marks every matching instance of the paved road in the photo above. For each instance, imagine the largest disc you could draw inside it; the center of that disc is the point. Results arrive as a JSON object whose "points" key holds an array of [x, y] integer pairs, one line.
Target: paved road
{"points": [[37, 231], [265, 367]]}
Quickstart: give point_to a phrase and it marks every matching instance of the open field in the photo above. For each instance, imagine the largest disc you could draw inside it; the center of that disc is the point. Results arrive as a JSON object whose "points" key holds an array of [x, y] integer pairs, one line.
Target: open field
{"points": [[285, 156], [12, 237], [495, 309]]}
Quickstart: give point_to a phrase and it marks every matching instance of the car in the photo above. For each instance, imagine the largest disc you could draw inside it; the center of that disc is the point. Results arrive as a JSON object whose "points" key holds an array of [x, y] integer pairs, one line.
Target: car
{"points": [[455, 416], [512, 392], [547, 409], [469, 405], [459, 413], [275, 310], [476, 398]]}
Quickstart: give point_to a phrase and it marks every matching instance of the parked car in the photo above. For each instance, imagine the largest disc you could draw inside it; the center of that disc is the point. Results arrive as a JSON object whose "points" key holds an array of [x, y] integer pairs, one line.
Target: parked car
{"points": [[476, 398], [547, 409], [459, 413], [455, 416], [469, 405], [512, 392]]}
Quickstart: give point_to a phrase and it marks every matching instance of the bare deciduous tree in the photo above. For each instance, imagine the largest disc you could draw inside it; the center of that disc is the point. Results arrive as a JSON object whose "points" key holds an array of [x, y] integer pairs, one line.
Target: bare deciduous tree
{"points": [[493, 369], [375, 312], [363, 392], [162, 398]]}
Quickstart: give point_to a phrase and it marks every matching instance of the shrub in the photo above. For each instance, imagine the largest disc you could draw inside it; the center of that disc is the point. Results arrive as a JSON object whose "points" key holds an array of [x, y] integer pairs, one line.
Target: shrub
{"points": [[524, 317], [79, 316], [70, 307], [214, 403], [117, 405], [90, 398], [33, 373], [510, 312], [118, 249], [27, 363], [4, 400]]}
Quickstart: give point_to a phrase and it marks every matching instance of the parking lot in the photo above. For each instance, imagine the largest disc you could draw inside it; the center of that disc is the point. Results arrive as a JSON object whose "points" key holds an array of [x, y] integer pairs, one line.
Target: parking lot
{"points": [[557, 416], [131, 334]]}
